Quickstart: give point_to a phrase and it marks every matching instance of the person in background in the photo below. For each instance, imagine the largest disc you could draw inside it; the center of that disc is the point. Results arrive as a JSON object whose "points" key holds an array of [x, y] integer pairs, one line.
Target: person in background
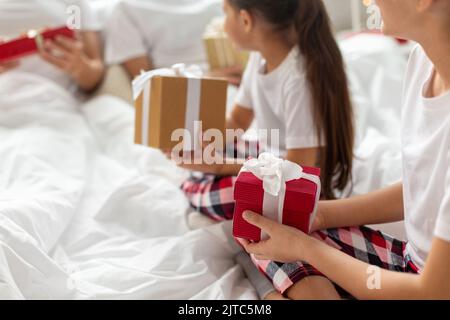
{"points": [[147, 34], [72, 63], [292, 85]]}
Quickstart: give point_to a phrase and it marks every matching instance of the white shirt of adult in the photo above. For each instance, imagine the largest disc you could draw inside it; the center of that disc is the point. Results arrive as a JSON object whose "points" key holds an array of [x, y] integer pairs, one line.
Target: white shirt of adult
{"points": [[426, 159], [167, 31]]}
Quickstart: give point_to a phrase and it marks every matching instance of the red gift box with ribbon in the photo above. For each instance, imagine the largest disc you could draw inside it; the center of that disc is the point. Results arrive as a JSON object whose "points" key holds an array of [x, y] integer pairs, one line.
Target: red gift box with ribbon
{"points": [[279, 190], [29, 44]]}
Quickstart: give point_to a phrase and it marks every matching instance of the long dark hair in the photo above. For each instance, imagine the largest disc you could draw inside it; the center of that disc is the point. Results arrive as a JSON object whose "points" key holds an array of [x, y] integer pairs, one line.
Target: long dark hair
{"points": [[327, 79]]}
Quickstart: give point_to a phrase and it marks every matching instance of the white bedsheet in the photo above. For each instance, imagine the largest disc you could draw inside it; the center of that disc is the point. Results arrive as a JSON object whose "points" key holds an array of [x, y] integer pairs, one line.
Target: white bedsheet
{"points": [[86, 214]]}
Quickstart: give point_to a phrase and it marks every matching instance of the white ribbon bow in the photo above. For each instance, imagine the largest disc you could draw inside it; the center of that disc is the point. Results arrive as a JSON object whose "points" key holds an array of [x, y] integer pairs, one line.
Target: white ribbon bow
{"points": [[177, 70], [275, 173]]}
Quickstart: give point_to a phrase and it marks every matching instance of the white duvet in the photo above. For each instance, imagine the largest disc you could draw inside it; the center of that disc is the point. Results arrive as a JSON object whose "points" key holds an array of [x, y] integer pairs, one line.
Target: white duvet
{"points": [[86, 214]]}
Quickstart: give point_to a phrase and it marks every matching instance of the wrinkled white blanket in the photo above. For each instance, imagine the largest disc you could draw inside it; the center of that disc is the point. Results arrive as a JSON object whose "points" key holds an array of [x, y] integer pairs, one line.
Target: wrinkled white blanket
{"points": [[86, 214]]}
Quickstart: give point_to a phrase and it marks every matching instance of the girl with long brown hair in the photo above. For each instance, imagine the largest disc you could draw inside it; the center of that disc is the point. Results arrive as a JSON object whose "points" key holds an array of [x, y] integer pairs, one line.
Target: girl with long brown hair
{"points": [[295, 84]]}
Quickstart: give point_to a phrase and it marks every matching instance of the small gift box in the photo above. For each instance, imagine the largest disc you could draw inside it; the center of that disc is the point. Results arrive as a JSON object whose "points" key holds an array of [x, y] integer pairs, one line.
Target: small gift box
{"points": [[279, 190], [177, 98], [29, 44], [220, 51]]}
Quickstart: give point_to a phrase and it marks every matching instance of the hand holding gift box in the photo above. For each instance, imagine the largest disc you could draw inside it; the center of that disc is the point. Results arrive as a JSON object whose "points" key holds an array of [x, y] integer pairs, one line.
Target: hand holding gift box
{"points": [[177, 98], [278, 189], [31, 43], [220, 51]]}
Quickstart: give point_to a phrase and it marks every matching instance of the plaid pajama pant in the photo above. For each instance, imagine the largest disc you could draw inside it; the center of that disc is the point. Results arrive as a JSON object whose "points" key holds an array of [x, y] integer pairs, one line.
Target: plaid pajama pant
{"points": [[212, 195], [362, 243]]}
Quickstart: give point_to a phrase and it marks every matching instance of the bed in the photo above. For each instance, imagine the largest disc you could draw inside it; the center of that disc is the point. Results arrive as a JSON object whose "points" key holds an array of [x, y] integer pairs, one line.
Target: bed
{"points": [[85, 214]]}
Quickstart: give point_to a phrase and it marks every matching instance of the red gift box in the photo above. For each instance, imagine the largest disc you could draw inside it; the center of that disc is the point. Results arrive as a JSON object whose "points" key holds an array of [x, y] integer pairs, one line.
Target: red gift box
{"points": [[27, 45], [300, 202]]}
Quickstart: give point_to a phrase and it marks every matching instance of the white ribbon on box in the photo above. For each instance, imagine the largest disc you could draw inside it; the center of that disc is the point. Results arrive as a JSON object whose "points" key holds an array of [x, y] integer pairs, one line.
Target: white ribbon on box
{"points": [[38, 38], [275, 173], [143, 83]]}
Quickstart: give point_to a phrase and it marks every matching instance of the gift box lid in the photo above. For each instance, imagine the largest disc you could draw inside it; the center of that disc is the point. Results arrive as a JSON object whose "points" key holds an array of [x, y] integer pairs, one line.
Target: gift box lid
{"points": [[249, 189]]}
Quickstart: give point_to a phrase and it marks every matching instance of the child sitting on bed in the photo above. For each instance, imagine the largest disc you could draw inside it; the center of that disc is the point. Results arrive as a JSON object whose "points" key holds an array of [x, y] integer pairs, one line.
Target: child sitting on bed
{"points": [[369, 264], [70, 63], [295, 84]]}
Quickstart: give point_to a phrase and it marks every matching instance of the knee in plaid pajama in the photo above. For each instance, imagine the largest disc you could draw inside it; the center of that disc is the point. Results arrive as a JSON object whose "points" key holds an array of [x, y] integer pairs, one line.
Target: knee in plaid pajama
{"points": [[362, 243], [212, 195]]}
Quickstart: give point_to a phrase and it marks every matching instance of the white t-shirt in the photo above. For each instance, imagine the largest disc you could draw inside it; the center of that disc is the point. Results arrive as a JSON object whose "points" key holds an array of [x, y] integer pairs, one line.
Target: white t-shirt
{"points": [[17, 17], [281, 101], [168, 31], [426, 160]]}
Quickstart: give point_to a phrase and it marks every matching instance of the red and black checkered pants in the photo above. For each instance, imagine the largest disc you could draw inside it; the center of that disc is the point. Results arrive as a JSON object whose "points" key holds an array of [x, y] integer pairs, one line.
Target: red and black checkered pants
{"points": [[362, 243]]}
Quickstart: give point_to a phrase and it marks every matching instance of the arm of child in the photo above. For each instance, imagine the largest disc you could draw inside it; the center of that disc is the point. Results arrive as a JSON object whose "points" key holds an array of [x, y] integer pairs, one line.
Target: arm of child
{"points": [[6, 66], [229, 167], [136, 65], [232, 74], [232, 167], [383, 206], [304, 157], [287, 244], [241, 118]]}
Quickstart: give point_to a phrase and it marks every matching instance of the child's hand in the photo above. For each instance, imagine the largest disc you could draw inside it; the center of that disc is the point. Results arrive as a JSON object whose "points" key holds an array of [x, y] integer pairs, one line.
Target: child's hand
{"points": [[286, 244], [232, 74], [190, 162]]}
